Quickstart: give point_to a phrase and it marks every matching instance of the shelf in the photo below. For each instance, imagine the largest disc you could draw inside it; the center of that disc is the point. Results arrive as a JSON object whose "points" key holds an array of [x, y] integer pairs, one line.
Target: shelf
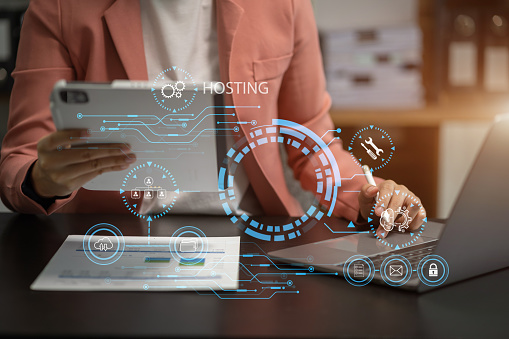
{"points": [[425, 117]]}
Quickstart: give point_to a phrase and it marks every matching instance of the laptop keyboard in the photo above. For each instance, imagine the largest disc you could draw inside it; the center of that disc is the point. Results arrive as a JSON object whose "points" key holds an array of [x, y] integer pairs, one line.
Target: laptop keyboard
{"points": [[414, 254]]}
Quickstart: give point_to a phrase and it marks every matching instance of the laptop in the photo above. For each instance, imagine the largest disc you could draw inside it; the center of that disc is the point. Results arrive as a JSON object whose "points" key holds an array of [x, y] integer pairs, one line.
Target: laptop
{"points": [[473, 241]]}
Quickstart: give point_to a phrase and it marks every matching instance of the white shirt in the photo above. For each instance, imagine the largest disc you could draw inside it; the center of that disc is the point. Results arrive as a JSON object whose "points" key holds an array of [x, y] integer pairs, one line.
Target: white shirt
{"points": [[183, 33]]}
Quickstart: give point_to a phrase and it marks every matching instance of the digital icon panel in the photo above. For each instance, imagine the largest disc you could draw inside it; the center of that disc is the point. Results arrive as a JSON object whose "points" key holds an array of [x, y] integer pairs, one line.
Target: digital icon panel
{"points": [[396, 270], [316, 151], [372, 146], [433, 270], [177, 91], [358, 270], [149, 181], [103, 244], [399, 219]]}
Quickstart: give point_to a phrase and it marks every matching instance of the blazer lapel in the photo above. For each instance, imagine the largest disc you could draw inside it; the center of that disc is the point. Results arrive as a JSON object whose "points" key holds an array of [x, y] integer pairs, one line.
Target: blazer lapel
{"points": [[229, 15], [124, 23]]}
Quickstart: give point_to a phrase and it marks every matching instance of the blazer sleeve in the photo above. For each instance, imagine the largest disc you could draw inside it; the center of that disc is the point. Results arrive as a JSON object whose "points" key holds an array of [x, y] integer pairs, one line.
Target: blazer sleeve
{"points": [[304, 99], [42, 60]]}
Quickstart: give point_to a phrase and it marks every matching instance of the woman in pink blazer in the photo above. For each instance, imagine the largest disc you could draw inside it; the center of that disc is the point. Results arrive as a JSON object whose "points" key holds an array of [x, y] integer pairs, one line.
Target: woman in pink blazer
{"points": [[95, 40]]}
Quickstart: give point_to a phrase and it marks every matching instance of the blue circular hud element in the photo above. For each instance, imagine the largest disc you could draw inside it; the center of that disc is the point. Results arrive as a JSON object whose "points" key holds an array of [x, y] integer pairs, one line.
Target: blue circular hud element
{"points": [[359, 270], [172, 95], [396, 270], [162, 186], [313, 147], [375, 221], [103, 244], [433, 275], [372, 146], [188, 233]]}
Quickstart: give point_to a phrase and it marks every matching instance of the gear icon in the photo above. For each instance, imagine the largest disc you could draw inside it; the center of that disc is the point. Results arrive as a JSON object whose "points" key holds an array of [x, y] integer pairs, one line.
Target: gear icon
{"points": [[178, 94], [389, 216], [173, 91], [180, 86]]}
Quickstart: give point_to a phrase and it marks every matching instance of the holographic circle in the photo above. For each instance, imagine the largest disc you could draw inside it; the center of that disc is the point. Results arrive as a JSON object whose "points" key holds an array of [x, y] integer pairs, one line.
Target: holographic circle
{"points": [[190, 234], [134, 188], [424, 270], [374, 222], [103, 244], [394, 263], [371, 146], [172, 95], [359, 270], [313, 148]]}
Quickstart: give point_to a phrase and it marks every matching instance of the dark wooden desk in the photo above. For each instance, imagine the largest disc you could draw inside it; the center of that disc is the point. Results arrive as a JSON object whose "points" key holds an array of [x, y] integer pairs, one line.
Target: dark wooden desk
{"points": [[326, 306]]}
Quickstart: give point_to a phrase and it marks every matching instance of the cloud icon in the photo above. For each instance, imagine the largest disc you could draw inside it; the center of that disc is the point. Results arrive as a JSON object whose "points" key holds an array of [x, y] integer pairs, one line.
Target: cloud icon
{"points": [[103, 244]]}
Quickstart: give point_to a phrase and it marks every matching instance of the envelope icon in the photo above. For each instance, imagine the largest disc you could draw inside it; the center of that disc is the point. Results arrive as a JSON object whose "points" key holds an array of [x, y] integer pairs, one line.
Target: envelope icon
{"points": [[396, 270]]}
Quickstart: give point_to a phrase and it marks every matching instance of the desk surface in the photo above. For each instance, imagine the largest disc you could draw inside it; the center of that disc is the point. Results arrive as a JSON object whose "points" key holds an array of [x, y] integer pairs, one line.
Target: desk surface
{"points": [[326, 306]]}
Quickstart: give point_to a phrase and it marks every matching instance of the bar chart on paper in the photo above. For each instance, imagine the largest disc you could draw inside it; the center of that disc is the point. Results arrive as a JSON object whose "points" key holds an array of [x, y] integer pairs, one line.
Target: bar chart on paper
{"points": [[166, 264]]}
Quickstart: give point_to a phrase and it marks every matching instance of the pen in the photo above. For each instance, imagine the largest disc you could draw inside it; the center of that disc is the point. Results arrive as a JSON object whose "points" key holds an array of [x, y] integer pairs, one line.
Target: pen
{"points": [[369, 176], [371, 181]]}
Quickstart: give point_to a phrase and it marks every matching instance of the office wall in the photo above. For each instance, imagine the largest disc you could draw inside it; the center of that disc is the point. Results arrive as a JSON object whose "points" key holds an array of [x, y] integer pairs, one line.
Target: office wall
{"points": [[344, 14], [460, 142]]}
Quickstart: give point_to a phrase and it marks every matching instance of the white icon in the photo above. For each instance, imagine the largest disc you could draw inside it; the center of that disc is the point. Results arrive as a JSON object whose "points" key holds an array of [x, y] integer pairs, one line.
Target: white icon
{"points": [[370, 153], [188, 245], [388, 217], [378, 150], [396, 270], [170, 90], [103, 244], [358, 270], [433, 270], [149, 194], [161, 194], [148, 181], [135, 194]]}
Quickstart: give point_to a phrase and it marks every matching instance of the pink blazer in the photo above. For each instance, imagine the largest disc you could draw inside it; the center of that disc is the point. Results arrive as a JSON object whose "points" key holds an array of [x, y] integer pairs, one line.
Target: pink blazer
{"points": [[99, 40]]}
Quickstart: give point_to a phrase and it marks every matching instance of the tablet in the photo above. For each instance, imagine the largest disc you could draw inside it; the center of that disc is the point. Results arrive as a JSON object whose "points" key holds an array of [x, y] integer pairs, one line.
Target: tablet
{"points": [[172, 128]]}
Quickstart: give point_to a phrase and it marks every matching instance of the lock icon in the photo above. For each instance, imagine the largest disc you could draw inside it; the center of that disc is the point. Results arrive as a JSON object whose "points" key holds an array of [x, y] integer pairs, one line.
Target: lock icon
{"points": [[433, 270]]}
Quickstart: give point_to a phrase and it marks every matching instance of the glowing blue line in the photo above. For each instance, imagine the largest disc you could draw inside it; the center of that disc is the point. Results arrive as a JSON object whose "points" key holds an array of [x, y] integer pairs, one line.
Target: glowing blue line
{"points": [[326, 150], [344, 231], [176, 142]]}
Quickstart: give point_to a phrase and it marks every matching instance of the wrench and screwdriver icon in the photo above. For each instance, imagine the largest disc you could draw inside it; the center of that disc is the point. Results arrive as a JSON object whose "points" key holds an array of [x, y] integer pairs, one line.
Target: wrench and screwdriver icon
{"points": [[373, 156]]}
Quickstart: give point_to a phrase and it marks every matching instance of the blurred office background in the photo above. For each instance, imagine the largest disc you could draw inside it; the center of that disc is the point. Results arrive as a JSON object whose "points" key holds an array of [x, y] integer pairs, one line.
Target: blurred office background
{"points": [[432, 73]]}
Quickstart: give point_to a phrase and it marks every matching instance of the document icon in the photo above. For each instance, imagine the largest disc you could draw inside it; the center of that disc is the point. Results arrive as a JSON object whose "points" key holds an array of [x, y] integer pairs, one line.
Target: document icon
{"points": [[396, 270], [358, 270]]}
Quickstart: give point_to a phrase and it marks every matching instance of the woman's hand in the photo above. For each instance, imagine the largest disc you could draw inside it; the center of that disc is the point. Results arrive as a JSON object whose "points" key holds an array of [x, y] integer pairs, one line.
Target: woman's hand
{"points": [[65, 163], [392, 196]]}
